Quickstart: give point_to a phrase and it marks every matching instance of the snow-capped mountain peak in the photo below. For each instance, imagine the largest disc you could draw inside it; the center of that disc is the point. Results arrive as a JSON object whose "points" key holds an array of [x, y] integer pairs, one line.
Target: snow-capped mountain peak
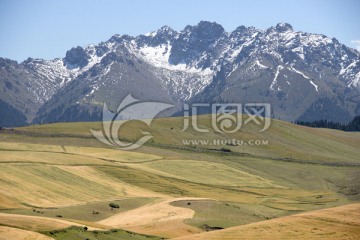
{"points": [[289, 68]]}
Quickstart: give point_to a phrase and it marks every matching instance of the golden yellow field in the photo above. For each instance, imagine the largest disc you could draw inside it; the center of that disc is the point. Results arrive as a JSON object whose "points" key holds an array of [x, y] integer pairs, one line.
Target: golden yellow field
{"points": [[334, 223], [16, 233], [56, 179]]}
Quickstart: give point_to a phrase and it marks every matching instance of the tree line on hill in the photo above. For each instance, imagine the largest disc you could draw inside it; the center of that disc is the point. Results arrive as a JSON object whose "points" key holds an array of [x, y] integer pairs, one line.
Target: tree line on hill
{"points": [[352, 126]]}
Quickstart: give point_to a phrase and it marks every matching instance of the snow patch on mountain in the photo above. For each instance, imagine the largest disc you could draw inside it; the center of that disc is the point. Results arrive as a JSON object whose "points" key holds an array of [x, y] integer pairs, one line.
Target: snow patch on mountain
{"points": [[107, 70], [356, 81], [298, 72], [274, 82], [315, 86], [314, 40], [299, 51], [183, 81], [261, 66], [94, 59], [159, 57]]}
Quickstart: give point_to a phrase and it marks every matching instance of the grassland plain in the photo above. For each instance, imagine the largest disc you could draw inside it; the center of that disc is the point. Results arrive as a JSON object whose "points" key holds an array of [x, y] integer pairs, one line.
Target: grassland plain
{"points": [[60, 171]]}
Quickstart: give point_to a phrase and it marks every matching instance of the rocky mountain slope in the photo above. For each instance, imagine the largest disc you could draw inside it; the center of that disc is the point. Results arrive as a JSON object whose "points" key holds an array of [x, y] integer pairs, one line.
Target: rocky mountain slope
{"points": [[304, 76]]}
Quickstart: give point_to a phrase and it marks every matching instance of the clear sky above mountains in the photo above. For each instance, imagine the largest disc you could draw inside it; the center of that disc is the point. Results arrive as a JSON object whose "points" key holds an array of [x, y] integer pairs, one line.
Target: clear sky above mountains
{"points": [[48, 28]]}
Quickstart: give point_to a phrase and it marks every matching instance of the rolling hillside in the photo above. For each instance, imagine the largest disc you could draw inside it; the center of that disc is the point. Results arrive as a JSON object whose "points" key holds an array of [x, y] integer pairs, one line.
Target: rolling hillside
{"points": [[60, 172], [334, 223]]}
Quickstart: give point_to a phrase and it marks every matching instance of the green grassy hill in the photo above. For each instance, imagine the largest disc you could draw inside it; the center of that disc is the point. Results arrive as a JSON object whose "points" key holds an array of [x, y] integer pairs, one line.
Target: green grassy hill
{"points": [[285, 140]]}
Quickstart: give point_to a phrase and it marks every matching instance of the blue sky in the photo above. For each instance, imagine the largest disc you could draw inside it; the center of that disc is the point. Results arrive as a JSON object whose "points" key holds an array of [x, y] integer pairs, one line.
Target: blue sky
{"points": [[48, 28]]}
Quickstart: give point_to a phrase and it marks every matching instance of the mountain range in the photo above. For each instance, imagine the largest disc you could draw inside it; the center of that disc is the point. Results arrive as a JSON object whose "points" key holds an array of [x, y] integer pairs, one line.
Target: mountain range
{"points": [[304, 76]]}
